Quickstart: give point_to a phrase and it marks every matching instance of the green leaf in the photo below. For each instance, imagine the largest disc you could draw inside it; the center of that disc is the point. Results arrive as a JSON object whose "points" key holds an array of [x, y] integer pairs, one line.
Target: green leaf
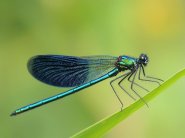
{"points": [[100, 128]]}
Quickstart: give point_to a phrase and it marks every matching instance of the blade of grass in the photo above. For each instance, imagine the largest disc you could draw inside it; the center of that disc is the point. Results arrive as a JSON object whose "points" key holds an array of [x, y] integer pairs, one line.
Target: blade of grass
{"points": [[100, 128]]}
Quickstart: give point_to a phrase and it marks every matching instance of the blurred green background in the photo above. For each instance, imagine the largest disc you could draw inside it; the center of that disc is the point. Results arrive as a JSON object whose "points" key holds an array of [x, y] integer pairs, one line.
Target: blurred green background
{"points": [[90, 27]]}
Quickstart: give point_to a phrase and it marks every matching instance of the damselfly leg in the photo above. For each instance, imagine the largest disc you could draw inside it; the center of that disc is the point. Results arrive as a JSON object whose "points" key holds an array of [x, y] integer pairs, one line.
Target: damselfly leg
{"points": [[119, 84], [132, 84], [129, 79], [149, 80], [126, 75], [150, 76]]}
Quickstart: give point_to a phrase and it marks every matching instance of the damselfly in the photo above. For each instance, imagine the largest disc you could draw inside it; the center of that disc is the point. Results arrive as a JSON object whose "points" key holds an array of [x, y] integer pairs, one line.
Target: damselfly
{"points": [[83, 72]]}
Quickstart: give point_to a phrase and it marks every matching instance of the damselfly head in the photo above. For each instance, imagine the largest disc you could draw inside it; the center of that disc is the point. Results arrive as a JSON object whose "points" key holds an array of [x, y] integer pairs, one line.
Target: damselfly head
{"points": [[143, 59]]}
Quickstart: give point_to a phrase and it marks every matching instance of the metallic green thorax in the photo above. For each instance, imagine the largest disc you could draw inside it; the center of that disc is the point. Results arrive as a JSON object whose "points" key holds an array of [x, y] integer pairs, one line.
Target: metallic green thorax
{"points": [[125, 62]]}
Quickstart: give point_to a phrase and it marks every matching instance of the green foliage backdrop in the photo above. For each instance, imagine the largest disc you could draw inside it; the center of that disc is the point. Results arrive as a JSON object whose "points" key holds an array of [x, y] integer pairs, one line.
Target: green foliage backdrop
{"points": [[90, 27]]}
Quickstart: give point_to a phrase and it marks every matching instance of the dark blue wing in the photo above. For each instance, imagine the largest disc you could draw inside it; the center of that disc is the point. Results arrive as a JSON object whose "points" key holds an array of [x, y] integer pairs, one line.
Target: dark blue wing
{"points": [[69, 71]]}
